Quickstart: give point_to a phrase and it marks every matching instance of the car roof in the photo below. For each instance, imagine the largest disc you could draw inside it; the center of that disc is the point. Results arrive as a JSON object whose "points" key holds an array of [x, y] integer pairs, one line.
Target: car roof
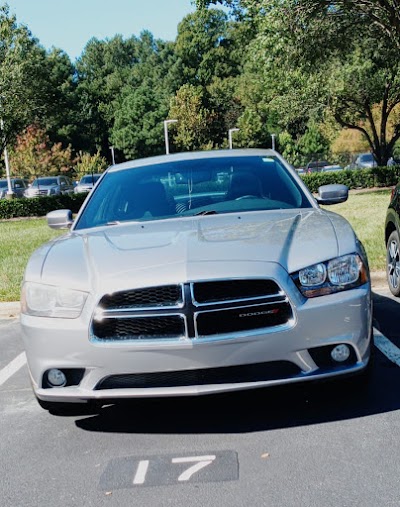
{"points": [[193, 155]]}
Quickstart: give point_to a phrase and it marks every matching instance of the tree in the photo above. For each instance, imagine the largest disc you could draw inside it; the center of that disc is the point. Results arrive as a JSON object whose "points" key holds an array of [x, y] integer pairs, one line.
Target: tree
{"points": [[382, 15], [61, 119], [89, 164], [194, 126], [204, 46], [34, 155], [138, 130], [23, 91], [311, 69], [119, 81], [313, 144]]}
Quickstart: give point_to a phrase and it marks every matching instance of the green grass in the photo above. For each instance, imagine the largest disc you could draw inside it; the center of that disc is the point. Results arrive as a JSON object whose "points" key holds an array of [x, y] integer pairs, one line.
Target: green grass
{"points": [[18, 239], [366, 212]]}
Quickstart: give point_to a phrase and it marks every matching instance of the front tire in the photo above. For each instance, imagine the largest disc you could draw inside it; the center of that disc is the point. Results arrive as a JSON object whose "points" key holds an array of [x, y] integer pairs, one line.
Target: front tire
{"points": [[393, 263]]}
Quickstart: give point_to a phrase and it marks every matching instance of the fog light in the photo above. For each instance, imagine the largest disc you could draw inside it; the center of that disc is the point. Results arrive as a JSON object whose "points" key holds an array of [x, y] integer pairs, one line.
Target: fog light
{"points": [[340, 353], [56, 378]]}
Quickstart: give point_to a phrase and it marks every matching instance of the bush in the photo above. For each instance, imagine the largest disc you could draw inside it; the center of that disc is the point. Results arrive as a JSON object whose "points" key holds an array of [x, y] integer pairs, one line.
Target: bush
{"points": [[355, 178], [39, 206]]}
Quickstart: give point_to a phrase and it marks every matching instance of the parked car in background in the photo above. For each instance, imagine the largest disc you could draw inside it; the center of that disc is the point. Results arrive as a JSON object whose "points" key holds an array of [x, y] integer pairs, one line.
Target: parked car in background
{"points": [[18, 187], [316, 165], [50, 185], [86, 183], [330, 168], [392, 242], [184, 283], [365, 161]]}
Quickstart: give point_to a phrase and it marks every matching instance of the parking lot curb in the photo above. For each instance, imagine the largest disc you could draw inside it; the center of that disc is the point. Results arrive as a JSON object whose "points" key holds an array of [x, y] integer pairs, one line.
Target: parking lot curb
{"points": [[10, 310]]}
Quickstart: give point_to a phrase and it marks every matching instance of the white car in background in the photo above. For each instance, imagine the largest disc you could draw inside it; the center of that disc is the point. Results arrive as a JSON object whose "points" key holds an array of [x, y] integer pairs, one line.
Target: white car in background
{"points": [[86, 183]]}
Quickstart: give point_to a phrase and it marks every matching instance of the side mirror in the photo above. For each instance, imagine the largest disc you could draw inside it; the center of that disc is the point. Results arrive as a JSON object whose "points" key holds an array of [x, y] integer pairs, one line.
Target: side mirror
{"points": [[60, 219], [332, 194]]}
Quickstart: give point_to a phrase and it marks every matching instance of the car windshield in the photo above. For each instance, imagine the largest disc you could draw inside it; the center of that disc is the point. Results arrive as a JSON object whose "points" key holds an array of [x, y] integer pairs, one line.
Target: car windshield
{"points": [[368, 157], [89, 179], [193, 187], [3, 184], [46, 182]]}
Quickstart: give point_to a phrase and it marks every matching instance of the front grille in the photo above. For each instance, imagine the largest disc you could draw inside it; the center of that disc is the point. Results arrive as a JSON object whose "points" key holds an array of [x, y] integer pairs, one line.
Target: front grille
{"points": [[224, 375], [231, 290], [167, 295], [139, 328], [191, 310], [243, 319]]}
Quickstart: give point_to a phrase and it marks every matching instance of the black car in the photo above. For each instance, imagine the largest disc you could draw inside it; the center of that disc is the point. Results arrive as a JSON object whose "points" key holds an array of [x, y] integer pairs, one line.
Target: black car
{"points": [[18, 187], [392, 240]]}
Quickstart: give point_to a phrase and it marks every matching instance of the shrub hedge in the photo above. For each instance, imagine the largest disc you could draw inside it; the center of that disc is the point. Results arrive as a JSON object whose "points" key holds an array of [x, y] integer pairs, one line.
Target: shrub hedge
{"points": [[39, 206], [355, 178]]}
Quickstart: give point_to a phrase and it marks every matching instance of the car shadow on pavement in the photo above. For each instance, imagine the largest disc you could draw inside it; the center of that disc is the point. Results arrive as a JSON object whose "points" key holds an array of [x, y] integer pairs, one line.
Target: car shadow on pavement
{"points": [[386, 315], [263, 409]]}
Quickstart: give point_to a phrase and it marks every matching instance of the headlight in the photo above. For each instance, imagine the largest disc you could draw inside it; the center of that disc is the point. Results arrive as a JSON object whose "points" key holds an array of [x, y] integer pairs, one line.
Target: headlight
{"points": [[338, 274], [49, 301]]}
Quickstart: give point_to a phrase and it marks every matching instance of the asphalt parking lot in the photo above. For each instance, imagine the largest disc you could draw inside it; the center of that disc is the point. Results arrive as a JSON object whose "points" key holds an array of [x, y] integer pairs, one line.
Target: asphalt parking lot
{"points": [[308, 445]]}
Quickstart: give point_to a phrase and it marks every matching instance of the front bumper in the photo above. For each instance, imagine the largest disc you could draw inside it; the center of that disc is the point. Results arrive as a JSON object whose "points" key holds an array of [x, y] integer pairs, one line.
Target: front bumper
{"points": [[344, 317]]}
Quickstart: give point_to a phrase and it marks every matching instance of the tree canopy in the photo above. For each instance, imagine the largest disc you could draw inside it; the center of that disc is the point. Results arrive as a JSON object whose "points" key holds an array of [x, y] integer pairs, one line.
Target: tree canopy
{"points": [[305, 71]]}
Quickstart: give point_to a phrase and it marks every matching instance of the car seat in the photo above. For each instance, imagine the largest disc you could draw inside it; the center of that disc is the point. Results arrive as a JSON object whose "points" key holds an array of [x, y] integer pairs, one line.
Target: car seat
{"points": [[149, 198], [244, 184]]}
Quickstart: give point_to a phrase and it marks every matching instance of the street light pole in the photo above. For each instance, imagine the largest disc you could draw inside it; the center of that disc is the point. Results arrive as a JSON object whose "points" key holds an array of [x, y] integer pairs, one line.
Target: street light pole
{"points": [[9, 187], [230, 137], [273, 141], [112, 154], [166, 123]]}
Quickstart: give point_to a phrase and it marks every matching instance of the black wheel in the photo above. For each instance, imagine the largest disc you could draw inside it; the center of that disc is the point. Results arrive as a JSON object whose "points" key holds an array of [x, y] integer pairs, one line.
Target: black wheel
{"points": [[60, 408], [393, 263]]}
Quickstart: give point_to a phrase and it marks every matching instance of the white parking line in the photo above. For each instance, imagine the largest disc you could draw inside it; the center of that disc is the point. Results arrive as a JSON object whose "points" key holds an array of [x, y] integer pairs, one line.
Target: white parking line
{"points": [[12, 368], [387, 347]]}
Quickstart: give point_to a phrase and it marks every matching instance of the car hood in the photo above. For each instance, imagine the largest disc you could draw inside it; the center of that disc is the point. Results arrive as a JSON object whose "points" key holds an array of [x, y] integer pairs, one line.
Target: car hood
{"points": [[177, 250]]}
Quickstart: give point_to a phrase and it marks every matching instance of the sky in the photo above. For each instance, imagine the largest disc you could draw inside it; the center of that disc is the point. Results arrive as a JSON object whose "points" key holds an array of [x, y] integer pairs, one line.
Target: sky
{"points": [[70, 24]]}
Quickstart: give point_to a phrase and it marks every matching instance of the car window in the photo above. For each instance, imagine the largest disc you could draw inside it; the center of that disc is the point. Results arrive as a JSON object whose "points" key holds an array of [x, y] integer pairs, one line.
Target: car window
{"points": [[45, 182], [192, 187], [368, 157], [89, 179]]}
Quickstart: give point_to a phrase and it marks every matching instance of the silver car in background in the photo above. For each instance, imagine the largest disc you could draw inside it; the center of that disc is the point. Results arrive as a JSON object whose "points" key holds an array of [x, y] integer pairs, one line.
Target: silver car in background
{"points": [[50, 185], [86, 183], [365, 161], [196, 273]]}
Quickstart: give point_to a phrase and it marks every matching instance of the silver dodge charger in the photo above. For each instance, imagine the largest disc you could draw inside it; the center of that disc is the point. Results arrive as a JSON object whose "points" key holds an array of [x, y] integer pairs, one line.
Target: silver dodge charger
{"points": [[195, 273]]}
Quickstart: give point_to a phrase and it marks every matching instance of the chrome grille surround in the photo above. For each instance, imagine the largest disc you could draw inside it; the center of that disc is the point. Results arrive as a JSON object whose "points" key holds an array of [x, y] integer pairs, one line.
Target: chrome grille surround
{"points": [[254, 313]]}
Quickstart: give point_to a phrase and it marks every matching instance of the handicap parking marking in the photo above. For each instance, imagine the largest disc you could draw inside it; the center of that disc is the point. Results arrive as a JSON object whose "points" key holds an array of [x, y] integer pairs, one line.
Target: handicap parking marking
{"points": [[170, 469], [388, 348], [12, 368]]}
